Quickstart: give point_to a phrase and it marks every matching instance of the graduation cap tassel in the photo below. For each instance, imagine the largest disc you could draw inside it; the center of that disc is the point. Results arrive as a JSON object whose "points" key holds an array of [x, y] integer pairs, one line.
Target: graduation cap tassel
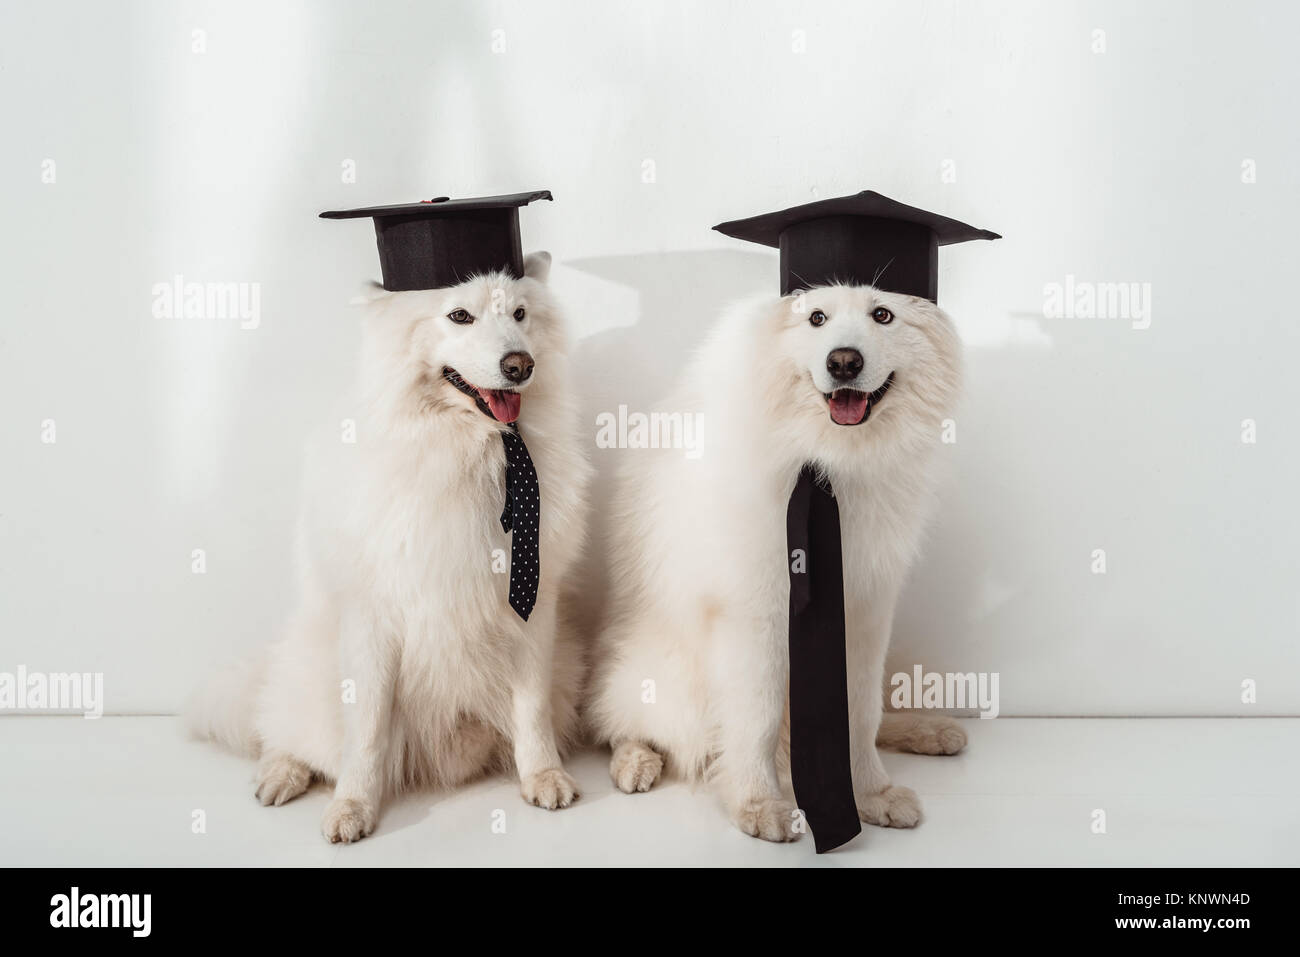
{"points": [[819, 692]]}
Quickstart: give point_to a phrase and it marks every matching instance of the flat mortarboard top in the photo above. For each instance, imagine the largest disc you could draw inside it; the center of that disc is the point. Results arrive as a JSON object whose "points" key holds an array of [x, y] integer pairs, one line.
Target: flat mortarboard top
{"points": [[442, 242], [865, 239]]}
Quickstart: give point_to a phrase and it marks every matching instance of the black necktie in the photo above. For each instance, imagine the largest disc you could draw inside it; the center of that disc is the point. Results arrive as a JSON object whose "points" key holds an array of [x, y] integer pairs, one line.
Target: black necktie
{"points": [[819, 687], [522, 514]]}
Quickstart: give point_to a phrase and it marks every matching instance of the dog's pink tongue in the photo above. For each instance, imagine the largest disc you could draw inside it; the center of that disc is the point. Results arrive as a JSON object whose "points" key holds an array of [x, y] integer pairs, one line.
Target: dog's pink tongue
{"points": [[504, 405], [848, 406]]}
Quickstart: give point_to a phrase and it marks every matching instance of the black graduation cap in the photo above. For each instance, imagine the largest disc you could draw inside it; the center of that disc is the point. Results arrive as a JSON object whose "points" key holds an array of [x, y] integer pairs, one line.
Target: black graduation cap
{"points": [[865, 239], [442, 242]]}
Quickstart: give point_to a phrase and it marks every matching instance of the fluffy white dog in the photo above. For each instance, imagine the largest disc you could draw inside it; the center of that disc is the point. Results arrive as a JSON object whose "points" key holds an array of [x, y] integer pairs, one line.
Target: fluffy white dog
{"points": [[693, 660], [405, 665]]}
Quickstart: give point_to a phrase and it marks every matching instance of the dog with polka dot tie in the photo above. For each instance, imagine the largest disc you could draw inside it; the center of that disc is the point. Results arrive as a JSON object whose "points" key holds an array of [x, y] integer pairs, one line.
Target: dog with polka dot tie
{"points": [[447, 675]]}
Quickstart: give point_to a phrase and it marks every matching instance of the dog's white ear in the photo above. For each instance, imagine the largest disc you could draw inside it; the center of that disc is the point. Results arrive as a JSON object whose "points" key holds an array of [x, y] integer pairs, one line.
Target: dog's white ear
{"points": [[538, 265], [370, 292]]}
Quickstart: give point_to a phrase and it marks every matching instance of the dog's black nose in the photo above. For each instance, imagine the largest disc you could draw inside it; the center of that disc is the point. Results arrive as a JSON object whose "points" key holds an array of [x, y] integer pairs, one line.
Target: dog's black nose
{"points": [[518, 366], [844, 364]]}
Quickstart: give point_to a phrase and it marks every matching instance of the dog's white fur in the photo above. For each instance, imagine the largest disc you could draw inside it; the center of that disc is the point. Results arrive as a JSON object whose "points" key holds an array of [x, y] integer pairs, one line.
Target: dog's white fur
{"points": [[400, 601], [692, 665]]}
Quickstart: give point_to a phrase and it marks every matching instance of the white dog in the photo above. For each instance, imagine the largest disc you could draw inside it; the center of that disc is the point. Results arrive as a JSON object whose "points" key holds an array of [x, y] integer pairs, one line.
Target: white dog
{"points": [[405, 665], [693, 662]]}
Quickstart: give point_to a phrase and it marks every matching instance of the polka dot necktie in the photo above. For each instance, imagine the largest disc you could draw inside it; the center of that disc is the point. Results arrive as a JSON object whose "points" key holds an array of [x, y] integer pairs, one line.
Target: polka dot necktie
{"points": [[522, 513], [819, 686]]}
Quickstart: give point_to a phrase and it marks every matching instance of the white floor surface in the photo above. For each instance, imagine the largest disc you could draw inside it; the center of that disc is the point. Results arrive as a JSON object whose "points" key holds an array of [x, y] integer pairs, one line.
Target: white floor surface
{"points": [[1175, 792]]}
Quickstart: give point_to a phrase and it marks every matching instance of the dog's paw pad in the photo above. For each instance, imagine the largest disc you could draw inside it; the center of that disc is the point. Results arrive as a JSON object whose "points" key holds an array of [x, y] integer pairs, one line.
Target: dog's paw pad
{"points": [[936, 736], [281, 778], [634, 767], [772, 819], [551, 789], [892, 807], [347, 820], [949, 739]]}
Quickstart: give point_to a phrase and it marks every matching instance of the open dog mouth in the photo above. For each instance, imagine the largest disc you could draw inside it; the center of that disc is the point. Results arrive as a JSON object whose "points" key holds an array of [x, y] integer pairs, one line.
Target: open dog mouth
{"points": [[500, 404], [851, 407]]}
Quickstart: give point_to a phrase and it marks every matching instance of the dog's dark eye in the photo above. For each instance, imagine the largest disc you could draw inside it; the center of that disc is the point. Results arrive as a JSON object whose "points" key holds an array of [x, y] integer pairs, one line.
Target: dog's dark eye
{"points": [[882, 315], [519, 314], [460, 317], [817, 318]]}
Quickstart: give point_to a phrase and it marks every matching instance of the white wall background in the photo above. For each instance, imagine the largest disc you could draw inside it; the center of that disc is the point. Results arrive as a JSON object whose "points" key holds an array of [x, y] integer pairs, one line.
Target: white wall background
{"points": [[1076, 434]]}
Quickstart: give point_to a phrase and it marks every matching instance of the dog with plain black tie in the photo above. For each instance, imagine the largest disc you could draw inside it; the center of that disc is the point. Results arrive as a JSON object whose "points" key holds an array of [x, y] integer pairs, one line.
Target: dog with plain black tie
{"points": [[823, 410]]}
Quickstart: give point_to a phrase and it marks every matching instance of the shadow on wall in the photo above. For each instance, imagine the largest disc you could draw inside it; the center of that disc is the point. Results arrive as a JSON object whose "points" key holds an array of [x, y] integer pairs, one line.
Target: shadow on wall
{"points": [[982, 561], [1039, 484], [1005, 581], [679, 298]]}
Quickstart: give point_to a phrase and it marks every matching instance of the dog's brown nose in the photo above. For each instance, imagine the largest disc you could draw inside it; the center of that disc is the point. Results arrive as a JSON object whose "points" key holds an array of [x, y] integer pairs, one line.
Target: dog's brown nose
{"points": [[844, 364], [518, 366]]}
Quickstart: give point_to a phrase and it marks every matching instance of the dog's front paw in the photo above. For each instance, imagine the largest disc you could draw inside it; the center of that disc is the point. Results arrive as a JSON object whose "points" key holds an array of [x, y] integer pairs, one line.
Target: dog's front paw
{"points": [[347, 820], [892, 807], [949, 737], [769, 818], [281, 778], [635, 767], [937, 736], [551, 789]]}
